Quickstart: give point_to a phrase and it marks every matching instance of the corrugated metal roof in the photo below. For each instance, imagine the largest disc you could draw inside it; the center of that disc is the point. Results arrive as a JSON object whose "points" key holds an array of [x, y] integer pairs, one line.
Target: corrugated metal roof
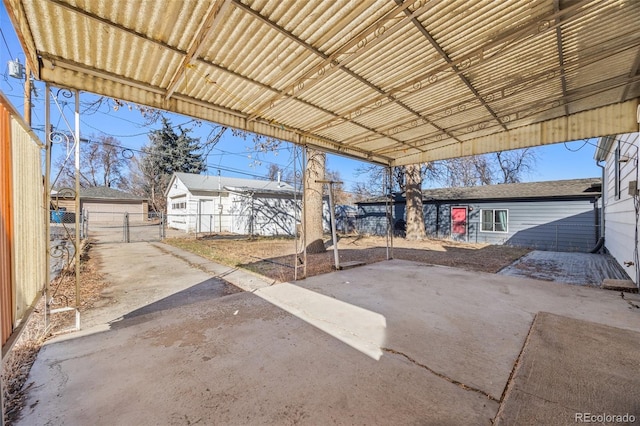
{"points": [[571, 188], [196, 182], [394, 82]]}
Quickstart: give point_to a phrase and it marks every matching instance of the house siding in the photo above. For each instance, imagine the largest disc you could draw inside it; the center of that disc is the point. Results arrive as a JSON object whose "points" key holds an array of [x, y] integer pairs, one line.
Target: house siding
{"points": [[241, 213], [621, 217], [562, 225]]}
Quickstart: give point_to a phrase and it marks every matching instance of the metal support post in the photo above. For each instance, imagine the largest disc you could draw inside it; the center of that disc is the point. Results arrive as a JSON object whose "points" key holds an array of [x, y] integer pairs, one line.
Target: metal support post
{"points": [[47, 203], [78, 248], [389, 211]]}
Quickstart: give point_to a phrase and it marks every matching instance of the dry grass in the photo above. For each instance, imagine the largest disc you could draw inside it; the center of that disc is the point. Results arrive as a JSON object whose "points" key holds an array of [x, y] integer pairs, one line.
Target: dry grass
{"points": [[18, 362], [275, 257]]}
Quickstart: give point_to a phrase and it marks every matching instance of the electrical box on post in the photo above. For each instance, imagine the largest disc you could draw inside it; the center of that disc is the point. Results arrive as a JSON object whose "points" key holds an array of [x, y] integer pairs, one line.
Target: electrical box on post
{"points": [[16, 69]]}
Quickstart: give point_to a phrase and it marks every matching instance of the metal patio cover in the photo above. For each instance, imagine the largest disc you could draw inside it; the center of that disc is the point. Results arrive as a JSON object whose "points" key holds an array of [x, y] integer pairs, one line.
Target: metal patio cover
{"points": [[391, 82]]}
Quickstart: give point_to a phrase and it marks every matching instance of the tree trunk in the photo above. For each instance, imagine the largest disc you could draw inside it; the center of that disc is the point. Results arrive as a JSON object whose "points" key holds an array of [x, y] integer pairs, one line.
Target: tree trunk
{"points": [[315, 169], [415, 214]]}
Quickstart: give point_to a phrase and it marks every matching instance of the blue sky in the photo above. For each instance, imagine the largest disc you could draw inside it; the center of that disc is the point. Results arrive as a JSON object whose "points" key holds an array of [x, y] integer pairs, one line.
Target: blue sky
{"points": [[233, 155]]}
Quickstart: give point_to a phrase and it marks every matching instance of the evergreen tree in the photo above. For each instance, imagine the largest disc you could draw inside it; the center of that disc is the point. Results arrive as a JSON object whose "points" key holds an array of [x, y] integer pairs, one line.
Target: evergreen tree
{"points": [[168, 152]]}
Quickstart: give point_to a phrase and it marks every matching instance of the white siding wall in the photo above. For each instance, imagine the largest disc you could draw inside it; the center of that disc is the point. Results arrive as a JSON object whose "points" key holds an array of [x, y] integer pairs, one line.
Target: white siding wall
{"points": [[178, 193], [621, 217]]}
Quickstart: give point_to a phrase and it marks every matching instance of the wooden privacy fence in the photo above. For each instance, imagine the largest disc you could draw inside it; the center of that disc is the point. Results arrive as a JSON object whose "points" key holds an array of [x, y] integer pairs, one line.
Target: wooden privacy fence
{"points": [[22, 220]]}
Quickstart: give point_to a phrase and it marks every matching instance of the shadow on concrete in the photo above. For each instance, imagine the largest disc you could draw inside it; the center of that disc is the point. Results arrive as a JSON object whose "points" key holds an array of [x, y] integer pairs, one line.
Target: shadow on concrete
{"points": [[213, 288]]}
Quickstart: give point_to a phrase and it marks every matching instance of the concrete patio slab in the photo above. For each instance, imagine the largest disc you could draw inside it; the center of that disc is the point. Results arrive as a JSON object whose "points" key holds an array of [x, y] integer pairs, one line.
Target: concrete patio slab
{"points": [[574, 371], [394, 342]]}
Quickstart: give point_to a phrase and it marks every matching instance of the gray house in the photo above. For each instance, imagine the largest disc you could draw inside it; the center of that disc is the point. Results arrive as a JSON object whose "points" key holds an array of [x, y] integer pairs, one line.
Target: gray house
{"points": [[555, 215]]}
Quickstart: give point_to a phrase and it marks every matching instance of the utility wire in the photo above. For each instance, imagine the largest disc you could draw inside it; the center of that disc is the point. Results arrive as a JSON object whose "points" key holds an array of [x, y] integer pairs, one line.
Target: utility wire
{"points": [[6, 44]]}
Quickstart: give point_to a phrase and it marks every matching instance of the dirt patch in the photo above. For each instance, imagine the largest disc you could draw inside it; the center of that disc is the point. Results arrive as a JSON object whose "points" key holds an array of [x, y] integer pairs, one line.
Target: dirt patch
{"points": [[18, 362], [276, 257]]}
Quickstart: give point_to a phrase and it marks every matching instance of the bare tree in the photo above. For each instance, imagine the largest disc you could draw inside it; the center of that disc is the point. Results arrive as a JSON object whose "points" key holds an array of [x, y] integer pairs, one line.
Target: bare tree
{"points": [[466, 171], [513, 165], [414, 211], [313, 226], [340, 195], [361, 191], [487, 169], [101, 164]]}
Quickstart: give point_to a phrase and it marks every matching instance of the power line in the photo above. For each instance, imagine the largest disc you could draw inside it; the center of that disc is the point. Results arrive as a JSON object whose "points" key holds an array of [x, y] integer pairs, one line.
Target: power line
{"points": [[6, 44]]}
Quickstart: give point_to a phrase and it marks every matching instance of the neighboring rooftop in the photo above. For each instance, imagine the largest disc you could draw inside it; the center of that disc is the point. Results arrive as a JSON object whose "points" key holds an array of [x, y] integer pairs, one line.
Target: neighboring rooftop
{"points": [[549, 189], [96, 192], [196, 182]]}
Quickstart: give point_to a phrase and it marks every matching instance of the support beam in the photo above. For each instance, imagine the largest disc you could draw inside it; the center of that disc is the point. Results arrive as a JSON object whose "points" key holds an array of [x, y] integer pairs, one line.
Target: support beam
{"points": [[209, 25], [65, 74], [560, 44], [608, 120]]}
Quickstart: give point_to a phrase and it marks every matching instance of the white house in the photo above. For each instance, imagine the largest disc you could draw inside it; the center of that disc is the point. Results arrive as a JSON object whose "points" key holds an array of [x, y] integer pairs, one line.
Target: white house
{"points": [[621, 199], [200, 203]]}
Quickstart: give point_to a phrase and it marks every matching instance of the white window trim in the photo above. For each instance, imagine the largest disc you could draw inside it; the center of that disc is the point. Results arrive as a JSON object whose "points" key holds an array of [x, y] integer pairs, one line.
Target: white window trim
{"points": [[494, 222]]}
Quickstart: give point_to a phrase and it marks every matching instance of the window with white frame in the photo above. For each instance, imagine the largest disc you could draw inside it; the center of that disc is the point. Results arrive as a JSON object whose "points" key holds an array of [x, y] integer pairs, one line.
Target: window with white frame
{"points": [[494, 220]]}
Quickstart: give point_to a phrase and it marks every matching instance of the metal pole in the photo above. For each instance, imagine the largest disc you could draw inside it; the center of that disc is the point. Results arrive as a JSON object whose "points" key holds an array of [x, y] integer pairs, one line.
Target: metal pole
{"points": [[304, 213], [332, 213], [390, 173], [295, 215], [78, 249], [47, 201], [385, 190]]}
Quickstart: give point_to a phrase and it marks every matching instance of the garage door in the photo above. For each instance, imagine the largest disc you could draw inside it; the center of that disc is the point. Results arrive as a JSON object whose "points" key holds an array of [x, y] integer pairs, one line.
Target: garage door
{"points": [[113, 211]]}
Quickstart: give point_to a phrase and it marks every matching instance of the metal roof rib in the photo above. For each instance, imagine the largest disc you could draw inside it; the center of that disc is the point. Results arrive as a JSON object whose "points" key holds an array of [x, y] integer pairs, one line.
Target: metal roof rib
{"points": [[392, 82]]}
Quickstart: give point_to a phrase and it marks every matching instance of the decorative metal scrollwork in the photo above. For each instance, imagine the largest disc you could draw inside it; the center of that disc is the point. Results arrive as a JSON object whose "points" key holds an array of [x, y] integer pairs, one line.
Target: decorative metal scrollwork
{"points": [[66, 192], [59, 251], [65, 93], [57, 137]]}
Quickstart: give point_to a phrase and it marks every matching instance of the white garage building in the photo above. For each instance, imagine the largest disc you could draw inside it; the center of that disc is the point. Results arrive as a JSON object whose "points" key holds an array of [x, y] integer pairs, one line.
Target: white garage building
{"points": [[200, 203]]}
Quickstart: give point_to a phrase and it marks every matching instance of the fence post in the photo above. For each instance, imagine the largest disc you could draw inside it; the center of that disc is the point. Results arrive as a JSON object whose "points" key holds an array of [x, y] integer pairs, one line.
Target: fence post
{"points": [[161, 229], [83, 224], [86, 224], [125, 228]]}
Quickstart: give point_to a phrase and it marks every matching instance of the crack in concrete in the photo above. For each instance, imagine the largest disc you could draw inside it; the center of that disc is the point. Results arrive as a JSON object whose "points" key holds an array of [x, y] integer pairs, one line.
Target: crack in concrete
{"points": [[510, 382], [442, 376]]}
